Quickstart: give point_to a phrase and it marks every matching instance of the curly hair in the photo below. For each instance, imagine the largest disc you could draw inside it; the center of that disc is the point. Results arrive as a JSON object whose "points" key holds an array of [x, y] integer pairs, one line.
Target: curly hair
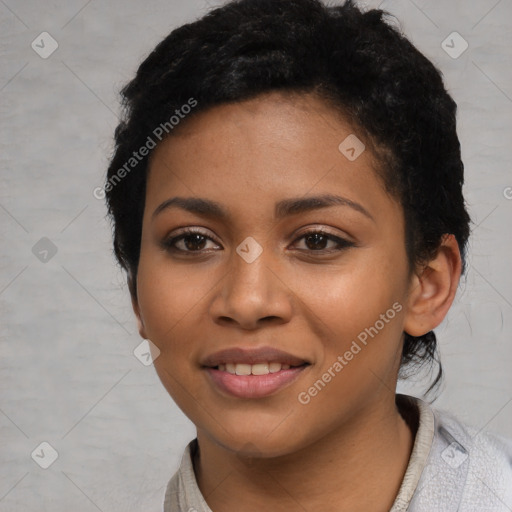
{"points": [[356, 61]]}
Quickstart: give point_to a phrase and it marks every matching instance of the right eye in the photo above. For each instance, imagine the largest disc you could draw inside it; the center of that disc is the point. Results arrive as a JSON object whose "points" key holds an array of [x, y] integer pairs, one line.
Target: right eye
{"points": [[191, 241]]}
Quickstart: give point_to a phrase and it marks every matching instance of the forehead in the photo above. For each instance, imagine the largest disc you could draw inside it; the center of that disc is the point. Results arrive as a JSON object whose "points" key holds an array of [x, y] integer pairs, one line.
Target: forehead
{"points": [[273, 146]]}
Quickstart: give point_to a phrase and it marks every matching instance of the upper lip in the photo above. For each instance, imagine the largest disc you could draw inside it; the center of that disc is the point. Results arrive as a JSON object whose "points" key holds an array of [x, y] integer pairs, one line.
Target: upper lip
{"points": [[251, 356]]}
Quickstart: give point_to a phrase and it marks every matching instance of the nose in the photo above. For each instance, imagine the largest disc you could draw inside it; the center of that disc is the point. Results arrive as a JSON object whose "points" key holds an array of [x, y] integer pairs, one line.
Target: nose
{"points": [[252, 294]]}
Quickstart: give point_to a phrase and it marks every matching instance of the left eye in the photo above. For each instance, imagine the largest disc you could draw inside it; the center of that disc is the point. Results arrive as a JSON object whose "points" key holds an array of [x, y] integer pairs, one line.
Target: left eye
{"points": [[316, 241]]}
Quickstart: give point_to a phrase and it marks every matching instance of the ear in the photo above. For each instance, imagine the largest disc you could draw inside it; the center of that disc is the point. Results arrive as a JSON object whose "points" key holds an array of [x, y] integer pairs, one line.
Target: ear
{"points": [[132, 286], [432, 291]]}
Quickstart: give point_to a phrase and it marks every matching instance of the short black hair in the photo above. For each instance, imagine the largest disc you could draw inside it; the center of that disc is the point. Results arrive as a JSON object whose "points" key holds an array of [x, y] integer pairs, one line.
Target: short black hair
{"points": [[355, 60]]}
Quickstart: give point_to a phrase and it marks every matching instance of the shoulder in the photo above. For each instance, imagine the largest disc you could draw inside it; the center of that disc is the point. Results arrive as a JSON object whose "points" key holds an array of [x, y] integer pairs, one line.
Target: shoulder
{"points": [[182, 493], [171, 500], [484, 449], [467, 469]]}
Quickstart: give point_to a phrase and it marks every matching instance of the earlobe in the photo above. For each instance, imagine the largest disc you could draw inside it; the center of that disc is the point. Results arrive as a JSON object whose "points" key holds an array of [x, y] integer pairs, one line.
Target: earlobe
{"points": [[140, 321], [136, 308], [432, 291]]}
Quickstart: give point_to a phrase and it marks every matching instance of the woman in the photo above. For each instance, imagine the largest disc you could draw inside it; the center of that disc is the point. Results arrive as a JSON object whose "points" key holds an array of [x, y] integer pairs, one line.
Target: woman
{"points": [[286, 194]]}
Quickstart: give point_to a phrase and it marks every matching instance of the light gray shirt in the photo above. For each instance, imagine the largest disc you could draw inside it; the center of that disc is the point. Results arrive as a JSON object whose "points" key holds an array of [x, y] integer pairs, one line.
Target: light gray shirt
{"points": [[452, 468]]}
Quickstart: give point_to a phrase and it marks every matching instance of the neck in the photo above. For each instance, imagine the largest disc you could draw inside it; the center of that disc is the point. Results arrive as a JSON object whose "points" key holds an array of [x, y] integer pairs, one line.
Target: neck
{"points": [[358, 466]]}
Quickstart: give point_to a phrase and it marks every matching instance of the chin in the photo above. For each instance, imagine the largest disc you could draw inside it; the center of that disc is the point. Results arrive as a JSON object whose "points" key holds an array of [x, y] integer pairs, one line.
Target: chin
{"points": [[257, 442]]}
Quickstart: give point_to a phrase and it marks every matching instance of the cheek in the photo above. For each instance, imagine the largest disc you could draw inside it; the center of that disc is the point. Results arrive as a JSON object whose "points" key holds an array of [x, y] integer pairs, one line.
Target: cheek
{"points": [[167, 294], [350, 298], [359, 324], [358, 313]]}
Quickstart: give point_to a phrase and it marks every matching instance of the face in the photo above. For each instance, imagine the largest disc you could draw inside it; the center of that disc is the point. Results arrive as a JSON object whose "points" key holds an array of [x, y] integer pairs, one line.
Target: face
{"points": [[257, 266]]}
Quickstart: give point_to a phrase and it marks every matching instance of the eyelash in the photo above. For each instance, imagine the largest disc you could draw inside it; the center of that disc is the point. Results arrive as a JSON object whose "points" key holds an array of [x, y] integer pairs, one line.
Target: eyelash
{"points": [[169, 244]]}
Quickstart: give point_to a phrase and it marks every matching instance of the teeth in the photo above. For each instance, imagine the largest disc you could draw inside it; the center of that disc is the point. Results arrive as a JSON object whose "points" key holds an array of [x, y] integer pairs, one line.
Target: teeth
{"points": [[260, 369], [274, 367], [243, 369], [252, 369]]}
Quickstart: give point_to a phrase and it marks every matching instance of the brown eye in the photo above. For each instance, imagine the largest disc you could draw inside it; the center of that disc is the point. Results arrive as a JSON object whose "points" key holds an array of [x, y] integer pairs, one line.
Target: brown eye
{"points": [[188, 242], [194, 242], [316, 241]]}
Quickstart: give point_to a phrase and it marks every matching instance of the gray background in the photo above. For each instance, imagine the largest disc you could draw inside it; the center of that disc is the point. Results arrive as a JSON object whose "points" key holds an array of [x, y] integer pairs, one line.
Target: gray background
{"points": [[67, 333]]}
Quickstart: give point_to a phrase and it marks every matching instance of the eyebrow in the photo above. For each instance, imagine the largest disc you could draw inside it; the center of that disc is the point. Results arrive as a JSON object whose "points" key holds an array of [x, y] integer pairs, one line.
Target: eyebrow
{"points": [[284, 208]]}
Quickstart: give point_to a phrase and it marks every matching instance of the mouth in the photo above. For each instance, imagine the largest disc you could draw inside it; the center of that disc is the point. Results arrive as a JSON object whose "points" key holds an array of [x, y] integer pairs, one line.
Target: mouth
{"points": [[252, 373], [244, 359], [262, 368]]}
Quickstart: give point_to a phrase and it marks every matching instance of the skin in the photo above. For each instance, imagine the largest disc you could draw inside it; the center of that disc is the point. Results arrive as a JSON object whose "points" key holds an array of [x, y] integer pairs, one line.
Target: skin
{"points": [[348, 448]]}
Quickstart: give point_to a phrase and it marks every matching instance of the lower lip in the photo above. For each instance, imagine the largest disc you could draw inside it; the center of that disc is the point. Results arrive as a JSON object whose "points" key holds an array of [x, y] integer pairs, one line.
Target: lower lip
{"points": [[254, 386]]}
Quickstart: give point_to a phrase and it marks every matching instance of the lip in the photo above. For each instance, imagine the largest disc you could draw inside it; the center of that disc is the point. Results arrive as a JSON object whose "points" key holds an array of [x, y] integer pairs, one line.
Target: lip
{"points": [[254, 386], [252, 356]]}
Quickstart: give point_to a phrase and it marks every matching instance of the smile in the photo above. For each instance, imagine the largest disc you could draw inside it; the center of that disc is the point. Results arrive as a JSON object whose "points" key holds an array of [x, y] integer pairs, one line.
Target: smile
{"points": [[252, 369], [253, 381], [254, 372]]}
